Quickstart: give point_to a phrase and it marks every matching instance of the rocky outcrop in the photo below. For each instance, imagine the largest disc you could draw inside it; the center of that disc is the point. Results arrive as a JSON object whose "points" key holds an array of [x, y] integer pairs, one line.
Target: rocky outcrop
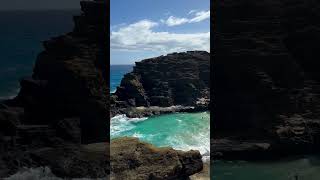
{"points": [[265, 81], [68, 79], [65, 160], [175, 79], [135, 160], [63, 104]]}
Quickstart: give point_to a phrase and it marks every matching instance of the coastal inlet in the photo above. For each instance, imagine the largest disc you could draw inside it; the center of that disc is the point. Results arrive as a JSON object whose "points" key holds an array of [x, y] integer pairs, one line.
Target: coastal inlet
{"points": [[164, 86], [183, 131]]}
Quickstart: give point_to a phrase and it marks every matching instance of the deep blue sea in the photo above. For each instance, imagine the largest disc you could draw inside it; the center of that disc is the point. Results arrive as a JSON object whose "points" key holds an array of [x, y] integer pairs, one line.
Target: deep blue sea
{"points": [[116, 74], [21, 37]]}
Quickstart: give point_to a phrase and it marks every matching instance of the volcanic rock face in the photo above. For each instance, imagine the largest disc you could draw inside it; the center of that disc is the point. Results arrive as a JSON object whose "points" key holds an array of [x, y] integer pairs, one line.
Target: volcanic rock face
{"points": [[135, 160], [68, 79], [266, 85], [63, 104], [175, 79]]}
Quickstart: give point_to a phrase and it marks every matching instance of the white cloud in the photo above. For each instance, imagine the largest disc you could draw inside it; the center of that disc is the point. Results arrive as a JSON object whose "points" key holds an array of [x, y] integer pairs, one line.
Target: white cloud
{"points": [[193, 11], [140, 36], [198, 17], [117, 26], [174, 21]]}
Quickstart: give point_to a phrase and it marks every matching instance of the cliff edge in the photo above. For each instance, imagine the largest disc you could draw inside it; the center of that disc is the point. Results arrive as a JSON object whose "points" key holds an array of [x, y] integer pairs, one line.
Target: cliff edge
{"points": [[177, 79]]}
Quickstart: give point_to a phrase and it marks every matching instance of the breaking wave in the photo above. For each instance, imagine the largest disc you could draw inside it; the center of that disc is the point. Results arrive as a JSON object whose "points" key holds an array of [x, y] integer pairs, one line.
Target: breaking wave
{"points": [[182, 131]]}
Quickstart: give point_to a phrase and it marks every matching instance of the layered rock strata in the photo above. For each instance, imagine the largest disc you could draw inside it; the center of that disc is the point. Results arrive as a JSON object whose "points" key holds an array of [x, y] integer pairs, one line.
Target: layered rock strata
{"points": [[177, 79]]}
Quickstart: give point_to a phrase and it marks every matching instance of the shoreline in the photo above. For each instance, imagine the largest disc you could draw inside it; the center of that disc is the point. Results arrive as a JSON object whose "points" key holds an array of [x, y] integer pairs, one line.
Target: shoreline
{"points": [[205, 156], [142, 111]]}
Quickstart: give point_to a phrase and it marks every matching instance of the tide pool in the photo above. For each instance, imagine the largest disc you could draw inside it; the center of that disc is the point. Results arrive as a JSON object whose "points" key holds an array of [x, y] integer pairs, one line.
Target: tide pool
{"points": [[183, 131]]}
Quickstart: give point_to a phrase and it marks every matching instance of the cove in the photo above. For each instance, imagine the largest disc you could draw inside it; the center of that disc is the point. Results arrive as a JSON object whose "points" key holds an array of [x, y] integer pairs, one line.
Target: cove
{"points": [[183, 131]]}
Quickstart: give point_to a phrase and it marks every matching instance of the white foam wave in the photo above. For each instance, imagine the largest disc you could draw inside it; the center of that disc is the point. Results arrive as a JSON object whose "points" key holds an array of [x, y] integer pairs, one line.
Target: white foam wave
{"points": [[192, 138], [200, 142], [40, 173], [121, 123]]}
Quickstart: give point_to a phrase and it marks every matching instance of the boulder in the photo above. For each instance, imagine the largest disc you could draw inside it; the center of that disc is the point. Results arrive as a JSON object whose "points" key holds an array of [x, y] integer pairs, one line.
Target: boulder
{"points": [[69, 161], [133, 159]]}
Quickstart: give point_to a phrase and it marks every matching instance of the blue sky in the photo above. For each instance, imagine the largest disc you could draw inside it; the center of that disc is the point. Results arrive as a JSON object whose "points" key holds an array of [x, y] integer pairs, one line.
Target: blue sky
{"points": [[147, 28]]}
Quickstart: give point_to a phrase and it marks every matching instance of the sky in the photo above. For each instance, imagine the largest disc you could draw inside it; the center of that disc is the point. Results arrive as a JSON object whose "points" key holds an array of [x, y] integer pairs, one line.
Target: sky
{"points": [[142, 29], [38, 4]]}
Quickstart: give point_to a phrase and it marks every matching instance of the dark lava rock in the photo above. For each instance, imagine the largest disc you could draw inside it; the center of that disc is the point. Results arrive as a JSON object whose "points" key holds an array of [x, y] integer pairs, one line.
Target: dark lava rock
{"points": [[63, 105], [69, 129], [133, 159], [10, 118], [68, 80], [265, 77], [86, 161], [175, 79]]}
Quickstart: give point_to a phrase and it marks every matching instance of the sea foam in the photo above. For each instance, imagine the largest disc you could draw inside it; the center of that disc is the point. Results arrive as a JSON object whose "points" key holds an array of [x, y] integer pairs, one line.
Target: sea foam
{"points": [[181, 131]]}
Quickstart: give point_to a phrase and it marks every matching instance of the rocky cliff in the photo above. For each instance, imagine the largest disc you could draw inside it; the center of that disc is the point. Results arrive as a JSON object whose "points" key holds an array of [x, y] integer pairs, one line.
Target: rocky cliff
{"points": [[266, 84], [171, 80], [67, 85], [63, 106]]}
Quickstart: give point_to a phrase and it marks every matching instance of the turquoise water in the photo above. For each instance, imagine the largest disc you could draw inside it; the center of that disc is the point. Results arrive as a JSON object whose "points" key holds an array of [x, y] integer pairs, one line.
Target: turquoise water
{"points": [[182, 131], [306, 168]]}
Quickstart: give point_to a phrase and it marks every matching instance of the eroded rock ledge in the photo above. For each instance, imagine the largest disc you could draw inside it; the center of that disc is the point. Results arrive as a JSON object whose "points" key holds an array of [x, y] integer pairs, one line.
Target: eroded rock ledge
{"points": [[175, 79], [135, 160]]}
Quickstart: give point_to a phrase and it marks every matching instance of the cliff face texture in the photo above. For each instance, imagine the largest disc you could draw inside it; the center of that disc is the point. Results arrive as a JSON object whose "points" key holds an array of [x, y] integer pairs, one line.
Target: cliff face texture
{"points": [[175, 79], [135, 160], [265, 78], [68, 82], [63, 104]]}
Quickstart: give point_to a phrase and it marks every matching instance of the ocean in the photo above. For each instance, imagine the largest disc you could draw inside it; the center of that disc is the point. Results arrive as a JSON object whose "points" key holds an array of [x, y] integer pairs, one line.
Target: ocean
{"points": [[183, 131], [22, 34], [116, 74]]}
